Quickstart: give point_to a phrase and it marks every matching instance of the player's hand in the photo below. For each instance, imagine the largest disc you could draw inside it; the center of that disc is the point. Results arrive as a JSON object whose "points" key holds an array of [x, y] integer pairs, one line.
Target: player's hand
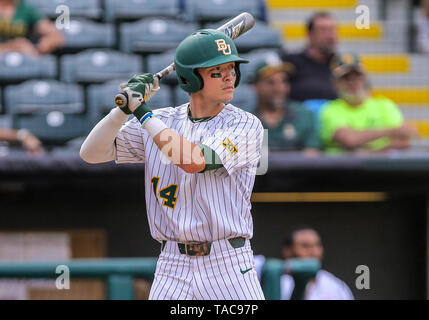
{"points": [[140, 89]]}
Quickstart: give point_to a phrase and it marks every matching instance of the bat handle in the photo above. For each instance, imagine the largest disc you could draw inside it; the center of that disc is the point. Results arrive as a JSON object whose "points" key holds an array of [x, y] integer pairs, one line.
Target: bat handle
{"points": [[121, 99]]}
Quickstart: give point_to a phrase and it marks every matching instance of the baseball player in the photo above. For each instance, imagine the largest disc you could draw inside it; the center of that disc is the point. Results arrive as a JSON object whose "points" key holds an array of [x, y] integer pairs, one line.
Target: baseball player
{"points": [[200, 163]]}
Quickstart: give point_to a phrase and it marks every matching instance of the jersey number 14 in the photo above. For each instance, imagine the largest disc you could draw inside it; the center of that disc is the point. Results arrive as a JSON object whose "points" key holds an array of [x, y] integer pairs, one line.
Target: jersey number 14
{"points": [[168, 194]]}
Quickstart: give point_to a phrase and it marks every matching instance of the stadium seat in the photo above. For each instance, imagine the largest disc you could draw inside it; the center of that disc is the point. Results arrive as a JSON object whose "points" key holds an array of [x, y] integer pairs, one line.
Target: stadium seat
{"points": [[5, 121], [55, 127], [15, 66], [101, 98], [132, 9], [151, 35], [95, 65], [76, 8], [84, 34], [215, 10], [39, 96], [157, 62], [180, 96], [259, 37]]}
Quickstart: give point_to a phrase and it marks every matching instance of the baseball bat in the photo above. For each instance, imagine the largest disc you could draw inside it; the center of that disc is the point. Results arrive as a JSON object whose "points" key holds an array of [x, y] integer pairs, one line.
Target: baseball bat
{"points": [[233, 29]]}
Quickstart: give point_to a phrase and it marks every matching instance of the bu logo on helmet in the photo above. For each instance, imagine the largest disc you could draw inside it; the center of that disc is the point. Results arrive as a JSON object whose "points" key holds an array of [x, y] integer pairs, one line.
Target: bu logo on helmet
{"points": [[222, 46]]}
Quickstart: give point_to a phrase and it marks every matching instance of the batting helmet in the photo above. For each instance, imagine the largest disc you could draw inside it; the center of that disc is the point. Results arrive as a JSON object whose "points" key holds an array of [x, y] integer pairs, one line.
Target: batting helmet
{"points": [[204, 48]]}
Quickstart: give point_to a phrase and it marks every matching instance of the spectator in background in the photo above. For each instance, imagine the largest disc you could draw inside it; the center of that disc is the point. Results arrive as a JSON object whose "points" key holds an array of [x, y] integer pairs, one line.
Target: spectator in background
{"points": [[28, 141], [291, 127], [304, 242], [423, 27], [20, 24], [312, 77], [359, 122]]}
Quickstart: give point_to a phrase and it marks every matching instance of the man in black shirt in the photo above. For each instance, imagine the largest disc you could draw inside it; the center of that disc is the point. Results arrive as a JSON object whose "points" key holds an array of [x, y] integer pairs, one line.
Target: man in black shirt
{"points": [[312, 78]]}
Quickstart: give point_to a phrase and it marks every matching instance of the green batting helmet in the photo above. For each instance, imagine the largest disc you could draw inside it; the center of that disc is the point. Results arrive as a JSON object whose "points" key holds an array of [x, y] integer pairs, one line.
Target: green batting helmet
{"points": [[202, 49]]}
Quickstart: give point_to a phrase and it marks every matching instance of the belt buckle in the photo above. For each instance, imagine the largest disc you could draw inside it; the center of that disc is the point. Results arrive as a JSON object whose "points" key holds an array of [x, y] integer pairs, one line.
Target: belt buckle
{"points": [[196, 248]]}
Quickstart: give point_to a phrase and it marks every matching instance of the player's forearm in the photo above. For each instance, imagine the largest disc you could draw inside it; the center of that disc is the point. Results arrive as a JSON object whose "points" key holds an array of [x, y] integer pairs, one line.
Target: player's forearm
{"points": [[99, 145], [352, 139], [181, 152]]}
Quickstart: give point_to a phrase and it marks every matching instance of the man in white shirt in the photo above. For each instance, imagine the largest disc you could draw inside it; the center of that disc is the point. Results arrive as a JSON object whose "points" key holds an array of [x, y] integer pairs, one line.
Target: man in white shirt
{"points": [[302, 243]]}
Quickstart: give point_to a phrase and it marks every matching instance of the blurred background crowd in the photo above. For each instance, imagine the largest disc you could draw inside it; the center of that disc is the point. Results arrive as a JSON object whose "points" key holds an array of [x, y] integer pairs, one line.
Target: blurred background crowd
{"points": [[335, 80]]}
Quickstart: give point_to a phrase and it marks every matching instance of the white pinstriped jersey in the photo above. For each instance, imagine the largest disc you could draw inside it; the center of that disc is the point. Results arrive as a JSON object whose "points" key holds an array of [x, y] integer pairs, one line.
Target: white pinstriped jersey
{"points": [[204, 206]]}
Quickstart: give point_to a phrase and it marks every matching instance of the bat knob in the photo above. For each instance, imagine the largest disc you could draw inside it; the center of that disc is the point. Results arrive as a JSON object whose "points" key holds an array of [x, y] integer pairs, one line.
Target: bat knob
{"points": [[121, 99]]}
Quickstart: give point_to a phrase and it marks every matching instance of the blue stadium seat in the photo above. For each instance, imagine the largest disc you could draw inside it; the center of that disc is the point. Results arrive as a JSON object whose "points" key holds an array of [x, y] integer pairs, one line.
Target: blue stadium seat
{"points": [[84, 34], [55, 127], [157, 62], [151, 35], [132, 9], [215, 10], [180, 96], [101, 97], [5, 121], [259, 37], [39, 96], [15, 66], [245, 98], [95, 65], [76, 8]]}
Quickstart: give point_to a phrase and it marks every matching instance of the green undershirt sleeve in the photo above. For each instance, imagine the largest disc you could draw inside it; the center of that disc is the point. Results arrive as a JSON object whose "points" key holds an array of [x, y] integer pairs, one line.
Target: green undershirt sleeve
{"points": [[211, 158]]}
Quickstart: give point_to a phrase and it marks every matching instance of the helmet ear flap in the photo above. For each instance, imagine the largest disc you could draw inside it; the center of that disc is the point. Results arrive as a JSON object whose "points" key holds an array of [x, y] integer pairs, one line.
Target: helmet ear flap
{"points": [[199, 79], [237, 74]]}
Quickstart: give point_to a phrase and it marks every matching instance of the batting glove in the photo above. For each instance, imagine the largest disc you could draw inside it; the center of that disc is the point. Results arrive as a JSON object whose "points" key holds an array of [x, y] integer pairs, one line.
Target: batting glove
{"points": [[139, 89]]}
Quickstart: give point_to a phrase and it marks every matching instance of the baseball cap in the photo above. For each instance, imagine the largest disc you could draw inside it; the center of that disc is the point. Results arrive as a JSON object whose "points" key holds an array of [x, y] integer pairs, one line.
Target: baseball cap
{"points": [[268, 65], [346, 64]]}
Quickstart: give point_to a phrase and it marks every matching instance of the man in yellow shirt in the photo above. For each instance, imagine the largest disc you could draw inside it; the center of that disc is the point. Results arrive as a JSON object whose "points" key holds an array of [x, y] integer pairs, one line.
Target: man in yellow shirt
{"points": [[359, 122]]}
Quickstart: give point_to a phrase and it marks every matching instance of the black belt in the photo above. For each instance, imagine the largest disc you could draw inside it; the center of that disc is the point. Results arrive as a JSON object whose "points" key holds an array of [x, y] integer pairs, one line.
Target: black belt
{"points": [[193, 249]]}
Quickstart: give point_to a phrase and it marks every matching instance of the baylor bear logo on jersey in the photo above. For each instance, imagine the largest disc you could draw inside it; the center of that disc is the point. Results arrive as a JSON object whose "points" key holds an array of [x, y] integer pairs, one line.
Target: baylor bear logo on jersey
{"points": [[229, 145], [222, 46]]}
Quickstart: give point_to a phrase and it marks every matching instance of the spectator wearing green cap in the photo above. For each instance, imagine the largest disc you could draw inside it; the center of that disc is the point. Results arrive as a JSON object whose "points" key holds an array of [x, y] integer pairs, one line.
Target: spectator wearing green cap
{"points": [[358, 121], [291, 127]]}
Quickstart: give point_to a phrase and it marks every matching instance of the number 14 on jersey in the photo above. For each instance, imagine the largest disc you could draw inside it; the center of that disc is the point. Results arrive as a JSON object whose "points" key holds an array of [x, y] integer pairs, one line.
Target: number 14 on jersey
{"points": [[168, 194]]}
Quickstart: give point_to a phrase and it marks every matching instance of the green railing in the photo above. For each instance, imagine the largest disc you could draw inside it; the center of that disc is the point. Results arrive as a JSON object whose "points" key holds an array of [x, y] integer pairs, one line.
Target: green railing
{"points": [[120, 273]]}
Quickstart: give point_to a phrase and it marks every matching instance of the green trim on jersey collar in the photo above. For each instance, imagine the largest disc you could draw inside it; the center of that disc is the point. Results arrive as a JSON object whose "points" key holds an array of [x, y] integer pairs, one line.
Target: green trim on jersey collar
{"points": [[194, 120]]}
